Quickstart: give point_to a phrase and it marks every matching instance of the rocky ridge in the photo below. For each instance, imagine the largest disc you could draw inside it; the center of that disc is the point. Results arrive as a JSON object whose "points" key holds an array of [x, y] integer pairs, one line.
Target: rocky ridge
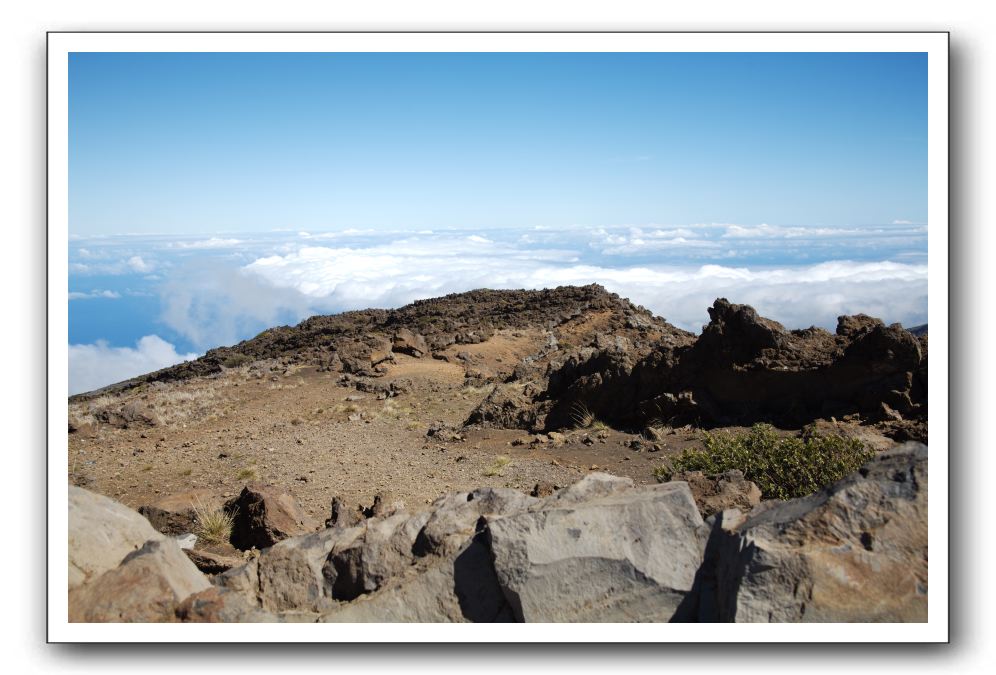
{"points": [[602, 549]]}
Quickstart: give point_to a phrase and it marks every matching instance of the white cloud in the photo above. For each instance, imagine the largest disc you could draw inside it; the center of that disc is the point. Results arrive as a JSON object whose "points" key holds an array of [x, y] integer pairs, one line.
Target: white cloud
{"points": [[213, 242], [92, 366], [137, 264], [79, 295], [392, 275], [799, 276]]}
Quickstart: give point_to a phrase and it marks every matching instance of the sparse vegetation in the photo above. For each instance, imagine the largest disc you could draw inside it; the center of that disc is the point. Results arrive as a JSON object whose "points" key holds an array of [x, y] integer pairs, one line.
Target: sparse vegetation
{"points": [[186, 472], [236, 360], [584, 418], [247, 474], [657, 431], [783, 468], [501, 462], [214, 526]]}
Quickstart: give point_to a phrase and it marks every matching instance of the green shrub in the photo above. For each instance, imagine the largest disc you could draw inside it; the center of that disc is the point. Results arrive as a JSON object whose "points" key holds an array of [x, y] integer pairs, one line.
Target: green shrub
{"points": [[783, 468]]}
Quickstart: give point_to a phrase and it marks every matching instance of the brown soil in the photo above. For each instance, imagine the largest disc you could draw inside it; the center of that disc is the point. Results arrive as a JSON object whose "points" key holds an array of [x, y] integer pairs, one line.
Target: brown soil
{"points": [[317, 438]]}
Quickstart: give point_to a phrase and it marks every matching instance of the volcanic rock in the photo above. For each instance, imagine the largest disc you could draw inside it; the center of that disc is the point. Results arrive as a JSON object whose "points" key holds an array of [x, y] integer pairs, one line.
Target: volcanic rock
{"points": [[729, 490], [623, 555], [147, 586], [263, 516], [855, 551], [408, 342], [101, 533]]}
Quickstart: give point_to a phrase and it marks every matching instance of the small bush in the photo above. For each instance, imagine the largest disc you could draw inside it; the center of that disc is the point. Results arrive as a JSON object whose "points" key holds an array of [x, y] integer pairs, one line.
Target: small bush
{"points": [[214, 526], [495, 469], [783, 468]]}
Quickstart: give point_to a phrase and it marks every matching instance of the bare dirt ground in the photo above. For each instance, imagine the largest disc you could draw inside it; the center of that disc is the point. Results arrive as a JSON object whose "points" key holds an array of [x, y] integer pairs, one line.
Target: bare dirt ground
{"points": [[302, 430]]}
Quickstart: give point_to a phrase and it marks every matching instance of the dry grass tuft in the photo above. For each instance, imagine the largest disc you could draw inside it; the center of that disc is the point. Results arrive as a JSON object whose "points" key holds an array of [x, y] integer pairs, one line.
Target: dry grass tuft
{"points": [[214, 526], [501, 462], [584, 418], [247, 474]]}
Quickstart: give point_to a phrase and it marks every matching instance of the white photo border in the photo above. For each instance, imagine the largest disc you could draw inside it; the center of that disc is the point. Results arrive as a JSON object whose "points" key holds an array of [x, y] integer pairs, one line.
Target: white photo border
{"points": [[61, 44]]}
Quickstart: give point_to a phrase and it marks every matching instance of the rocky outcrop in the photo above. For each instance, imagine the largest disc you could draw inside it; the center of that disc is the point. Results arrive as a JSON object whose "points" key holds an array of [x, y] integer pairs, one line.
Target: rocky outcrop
{"points": [[356, 342], [745, 369], [855, 551], [602, 549], [262, 516], [506, 407]]}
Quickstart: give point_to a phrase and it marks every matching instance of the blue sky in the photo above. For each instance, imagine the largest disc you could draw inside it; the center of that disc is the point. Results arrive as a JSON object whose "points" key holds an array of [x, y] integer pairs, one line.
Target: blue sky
{"points": [[215, 195], [241, 142]]}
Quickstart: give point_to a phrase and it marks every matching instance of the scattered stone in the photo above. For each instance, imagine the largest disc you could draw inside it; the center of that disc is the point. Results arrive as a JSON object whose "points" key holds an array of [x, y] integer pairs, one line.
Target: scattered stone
{"points": [[408, 342], [715, 493], [263, 516], [186, 541], [543, 489], [342, 516], [211, 563]]}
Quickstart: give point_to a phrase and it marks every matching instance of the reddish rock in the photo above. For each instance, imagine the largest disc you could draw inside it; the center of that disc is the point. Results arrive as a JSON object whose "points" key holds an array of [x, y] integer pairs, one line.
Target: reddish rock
{"points": [[263, 516]]}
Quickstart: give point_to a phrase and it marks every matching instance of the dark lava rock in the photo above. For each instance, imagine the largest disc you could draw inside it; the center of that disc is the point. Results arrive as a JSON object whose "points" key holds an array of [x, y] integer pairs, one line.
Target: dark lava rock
{"points": [[263, 516]]}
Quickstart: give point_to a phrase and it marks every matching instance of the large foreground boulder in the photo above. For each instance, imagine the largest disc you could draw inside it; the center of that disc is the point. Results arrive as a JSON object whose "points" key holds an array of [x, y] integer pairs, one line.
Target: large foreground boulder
{"points": [[856, 551], [101, 533], [147, 586], [621, 554]]}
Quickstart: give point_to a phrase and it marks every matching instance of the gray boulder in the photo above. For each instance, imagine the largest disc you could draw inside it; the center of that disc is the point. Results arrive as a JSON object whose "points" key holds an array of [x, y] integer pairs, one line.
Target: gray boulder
{"points": [[855, 551], [455, 517], [461, 587], [147, 586], [288, 576], [381, 549], [101, 533], [600, 551]]}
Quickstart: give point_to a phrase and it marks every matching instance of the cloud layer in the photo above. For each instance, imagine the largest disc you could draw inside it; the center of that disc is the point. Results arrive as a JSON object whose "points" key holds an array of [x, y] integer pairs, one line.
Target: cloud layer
{"points": [[799, 296], [97, 365]]}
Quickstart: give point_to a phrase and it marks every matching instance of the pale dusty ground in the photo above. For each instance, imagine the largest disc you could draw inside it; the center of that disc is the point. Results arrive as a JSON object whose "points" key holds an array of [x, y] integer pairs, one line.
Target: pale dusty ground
{"points": [[302, 431]]}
